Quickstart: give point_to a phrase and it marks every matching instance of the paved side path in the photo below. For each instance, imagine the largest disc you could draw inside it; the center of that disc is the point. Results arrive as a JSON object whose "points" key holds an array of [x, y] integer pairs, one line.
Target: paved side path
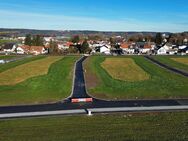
{"points": [[167, 67], [79, 89]]}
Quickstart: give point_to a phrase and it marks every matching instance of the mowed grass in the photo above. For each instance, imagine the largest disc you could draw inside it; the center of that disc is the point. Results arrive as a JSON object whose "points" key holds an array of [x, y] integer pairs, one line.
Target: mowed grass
{"points": [[179, 62], [124, 69], [119, 127], [4, 67], [161, 85], [22, 72], [52, 87], [7, 56]]}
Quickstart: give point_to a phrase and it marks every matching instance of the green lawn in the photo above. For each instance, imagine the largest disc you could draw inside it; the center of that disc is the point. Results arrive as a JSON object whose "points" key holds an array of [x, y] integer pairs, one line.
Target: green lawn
{"points": [[161, 84], [167, 60], [54, 86], [7, 56], [118, 127]]}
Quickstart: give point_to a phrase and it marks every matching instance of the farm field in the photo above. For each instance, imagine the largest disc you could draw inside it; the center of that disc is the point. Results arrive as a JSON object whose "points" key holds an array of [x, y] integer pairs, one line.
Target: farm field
{"points": [[50, 87], [117, 127], [161, 84], [179, 62]]}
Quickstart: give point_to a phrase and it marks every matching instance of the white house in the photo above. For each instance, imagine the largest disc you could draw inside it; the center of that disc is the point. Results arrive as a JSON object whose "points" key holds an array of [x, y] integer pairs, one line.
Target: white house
{"points": [[9, 48], [48, 39], [105, 49], [64, 46], [128, 47], [23, 49], [36, 50], [146, 49], [164, 50], [20, 50]]}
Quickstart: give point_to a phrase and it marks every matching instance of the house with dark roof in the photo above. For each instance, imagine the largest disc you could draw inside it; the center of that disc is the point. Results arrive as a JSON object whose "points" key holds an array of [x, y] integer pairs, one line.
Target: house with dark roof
{"points": [[9, 47]]}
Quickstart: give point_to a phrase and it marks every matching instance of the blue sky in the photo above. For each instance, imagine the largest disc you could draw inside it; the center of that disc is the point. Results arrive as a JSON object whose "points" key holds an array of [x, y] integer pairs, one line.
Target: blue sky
{"points": [[102, 15]]}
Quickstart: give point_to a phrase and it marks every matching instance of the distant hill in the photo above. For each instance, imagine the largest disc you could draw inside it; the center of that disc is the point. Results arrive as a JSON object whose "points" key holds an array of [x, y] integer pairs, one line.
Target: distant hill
{"points": [[23, 32]]}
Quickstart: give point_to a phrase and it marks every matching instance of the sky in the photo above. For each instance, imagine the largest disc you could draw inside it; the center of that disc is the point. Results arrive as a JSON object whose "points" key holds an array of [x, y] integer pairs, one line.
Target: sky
{"points": [[98, 15]]}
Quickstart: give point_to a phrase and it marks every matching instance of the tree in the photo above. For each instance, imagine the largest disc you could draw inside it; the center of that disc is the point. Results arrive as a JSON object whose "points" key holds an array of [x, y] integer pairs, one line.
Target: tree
{"points": [[53, 48], [75, 39], [37, 40], [112, 42], [84, 47], [28, 40], [158, 39], [73, 49]]}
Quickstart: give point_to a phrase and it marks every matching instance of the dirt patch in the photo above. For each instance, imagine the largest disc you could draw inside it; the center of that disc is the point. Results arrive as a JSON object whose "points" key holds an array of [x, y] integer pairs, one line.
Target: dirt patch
{"points": [[102, 96], [90, 77]]}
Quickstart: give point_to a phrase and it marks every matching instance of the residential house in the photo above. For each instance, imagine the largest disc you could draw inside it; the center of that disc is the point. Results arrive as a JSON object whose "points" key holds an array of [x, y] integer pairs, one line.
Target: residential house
{"points": [[147, 48], [9, 48], [128, 47], [36, 50], [64, 46], [164, 49], [183, 49], [100, 48], [23, 49], [105, 49], [21, 39]]}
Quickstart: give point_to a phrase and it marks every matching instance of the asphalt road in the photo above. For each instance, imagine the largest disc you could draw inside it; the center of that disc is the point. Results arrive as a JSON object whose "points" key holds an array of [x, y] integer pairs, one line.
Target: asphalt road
{"points": [[79, 91], [167, 67]]}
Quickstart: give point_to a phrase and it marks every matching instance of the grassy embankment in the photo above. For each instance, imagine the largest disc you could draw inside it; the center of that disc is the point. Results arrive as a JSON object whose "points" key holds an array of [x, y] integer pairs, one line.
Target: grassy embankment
{"points": [[179, 62], [119, 127], [51, 87], [161, 84]]}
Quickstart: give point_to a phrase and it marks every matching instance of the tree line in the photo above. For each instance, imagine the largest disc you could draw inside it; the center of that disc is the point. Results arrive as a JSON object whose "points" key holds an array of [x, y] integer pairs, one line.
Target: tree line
{"points": [[35, 40]]}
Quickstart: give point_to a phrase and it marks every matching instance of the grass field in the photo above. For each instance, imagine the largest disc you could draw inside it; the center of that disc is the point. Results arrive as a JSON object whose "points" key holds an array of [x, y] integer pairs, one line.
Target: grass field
{"points": [[119, 127], [7, 57], [52, 87], [162, 83], [4, 67], [22, 72], [124, 69], [179, 62]]}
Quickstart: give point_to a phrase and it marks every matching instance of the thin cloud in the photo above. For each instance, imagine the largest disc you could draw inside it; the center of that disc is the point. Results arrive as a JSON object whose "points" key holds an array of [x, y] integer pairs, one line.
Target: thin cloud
{"points": [[15, 19]]}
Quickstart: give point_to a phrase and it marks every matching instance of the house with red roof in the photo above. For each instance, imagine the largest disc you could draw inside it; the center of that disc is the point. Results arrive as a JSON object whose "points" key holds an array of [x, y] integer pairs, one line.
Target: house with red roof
{"points": [[35, 50], [128, 47]]}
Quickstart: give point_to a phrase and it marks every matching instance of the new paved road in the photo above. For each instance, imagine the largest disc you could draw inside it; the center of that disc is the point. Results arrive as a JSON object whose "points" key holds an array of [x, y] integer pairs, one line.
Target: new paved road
{"points": [[79, 89]]}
